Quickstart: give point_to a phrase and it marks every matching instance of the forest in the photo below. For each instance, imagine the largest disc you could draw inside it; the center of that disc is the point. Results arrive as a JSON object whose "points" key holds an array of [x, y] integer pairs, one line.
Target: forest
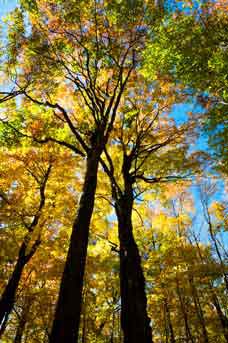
{"points": [[113, 173]]}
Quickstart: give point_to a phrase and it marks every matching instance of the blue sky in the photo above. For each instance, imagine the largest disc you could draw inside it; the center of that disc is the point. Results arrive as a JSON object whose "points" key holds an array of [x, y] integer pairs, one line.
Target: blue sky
{"points": [[6, 6]]}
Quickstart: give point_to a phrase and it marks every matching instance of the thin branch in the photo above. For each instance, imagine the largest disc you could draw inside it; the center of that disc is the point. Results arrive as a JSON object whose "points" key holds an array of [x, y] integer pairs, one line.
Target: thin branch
{"points": [[162, 178]]}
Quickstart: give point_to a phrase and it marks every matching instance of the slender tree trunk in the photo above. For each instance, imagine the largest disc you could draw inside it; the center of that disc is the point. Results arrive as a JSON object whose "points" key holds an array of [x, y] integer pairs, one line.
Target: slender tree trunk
{"points": [[8, 296], [23, 319], [113, 328], [119, 329], [4, 325], [67, 316], [166, 326], [213, 238], [222, 318], [199, 310], [189, 336], [170, 326], [20, 329]]}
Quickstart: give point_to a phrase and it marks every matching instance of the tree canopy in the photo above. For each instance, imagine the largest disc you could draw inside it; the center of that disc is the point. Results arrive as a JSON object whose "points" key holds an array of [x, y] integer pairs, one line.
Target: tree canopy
{"points": [[113, 211]]}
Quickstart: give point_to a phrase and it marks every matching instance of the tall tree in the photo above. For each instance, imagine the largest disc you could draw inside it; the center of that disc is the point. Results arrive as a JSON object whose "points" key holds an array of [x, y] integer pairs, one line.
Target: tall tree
{"points": [[89, 51], [142, 133]]}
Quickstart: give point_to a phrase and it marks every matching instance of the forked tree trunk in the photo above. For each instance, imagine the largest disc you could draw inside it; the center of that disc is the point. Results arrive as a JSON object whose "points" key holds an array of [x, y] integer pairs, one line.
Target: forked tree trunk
{"points": [[67, 316]]}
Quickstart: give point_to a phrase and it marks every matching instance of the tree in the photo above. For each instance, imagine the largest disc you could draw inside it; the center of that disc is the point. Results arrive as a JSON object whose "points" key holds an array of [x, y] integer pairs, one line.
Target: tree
{"points": [[191, 48], [30, 243], [74, 74], [144, 136], [93, 66]]}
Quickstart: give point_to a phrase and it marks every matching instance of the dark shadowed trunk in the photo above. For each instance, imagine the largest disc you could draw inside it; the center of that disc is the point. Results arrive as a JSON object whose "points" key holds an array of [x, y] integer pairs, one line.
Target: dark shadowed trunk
{"points": [[8, 296], [134, 320], [67, 317], [84, 316]]}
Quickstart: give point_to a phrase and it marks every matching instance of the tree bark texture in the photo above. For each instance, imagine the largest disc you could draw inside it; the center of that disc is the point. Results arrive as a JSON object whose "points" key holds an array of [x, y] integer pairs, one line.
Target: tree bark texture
{"points": [[134, 319], [67, 316]]}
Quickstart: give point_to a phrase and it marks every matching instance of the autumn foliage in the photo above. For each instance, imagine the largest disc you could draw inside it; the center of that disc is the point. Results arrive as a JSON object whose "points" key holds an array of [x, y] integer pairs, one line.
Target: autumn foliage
{"points": [[113, 217]]}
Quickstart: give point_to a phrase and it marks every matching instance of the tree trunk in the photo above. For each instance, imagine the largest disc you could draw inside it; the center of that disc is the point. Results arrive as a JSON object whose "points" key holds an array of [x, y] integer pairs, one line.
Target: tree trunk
{"points": [[170, 326], [8, 296], [20, 330], [213, 238], [134, 320], [67, 316], [223, 319], [189, 337], [84, 317], [198, 308]]}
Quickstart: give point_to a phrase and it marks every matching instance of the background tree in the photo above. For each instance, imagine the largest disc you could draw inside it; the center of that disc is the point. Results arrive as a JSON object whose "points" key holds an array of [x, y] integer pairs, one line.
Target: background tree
{"points": [[191, 48]]}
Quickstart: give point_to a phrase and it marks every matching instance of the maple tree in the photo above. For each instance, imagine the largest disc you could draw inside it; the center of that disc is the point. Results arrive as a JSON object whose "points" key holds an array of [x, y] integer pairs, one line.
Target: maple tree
{"points": [[84, 57], [79, 94], [23, 206], [142, 133]]}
